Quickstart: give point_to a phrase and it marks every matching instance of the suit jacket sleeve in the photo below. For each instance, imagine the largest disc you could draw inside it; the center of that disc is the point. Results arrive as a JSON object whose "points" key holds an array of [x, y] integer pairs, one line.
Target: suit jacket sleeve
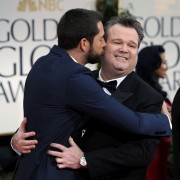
{"points": [[87, 96]]}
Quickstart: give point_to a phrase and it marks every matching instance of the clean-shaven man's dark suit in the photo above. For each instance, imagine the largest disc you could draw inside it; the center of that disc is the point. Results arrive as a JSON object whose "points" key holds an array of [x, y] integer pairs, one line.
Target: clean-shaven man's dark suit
{"points": [[176, 135], [118, 154], [59, 93]]}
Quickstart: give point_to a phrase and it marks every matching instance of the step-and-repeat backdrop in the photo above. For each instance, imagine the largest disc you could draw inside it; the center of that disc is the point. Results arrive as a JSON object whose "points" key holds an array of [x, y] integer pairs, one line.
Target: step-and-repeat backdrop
{"points": [[28, 31]]}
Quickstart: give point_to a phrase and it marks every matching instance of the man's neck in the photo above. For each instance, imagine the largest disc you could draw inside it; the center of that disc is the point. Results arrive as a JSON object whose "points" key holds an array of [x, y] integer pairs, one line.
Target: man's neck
{"points": [[119, 79], [77, 57], [106, 76]]}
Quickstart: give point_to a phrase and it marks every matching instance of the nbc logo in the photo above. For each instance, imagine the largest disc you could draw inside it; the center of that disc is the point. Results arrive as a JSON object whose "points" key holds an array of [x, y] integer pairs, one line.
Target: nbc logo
{"points": [[39, 5]]}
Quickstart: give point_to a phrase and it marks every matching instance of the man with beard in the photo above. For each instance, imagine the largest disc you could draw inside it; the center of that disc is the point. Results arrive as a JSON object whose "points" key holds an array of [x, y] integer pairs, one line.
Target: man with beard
{"points": [[60, 93]]}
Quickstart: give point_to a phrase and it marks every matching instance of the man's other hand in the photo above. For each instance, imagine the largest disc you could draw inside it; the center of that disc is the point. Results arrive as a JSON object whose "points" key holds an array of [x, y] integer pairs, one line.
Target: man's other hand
{"points": [[67, 157], [19, 142]]}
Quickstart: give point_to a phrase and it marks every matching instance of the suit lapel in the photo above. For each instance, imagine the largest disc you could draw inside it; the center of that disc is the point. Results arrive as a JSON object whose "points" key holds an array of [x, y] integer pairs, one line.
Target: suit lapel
{"points": [[124, 90], [122, 96]]}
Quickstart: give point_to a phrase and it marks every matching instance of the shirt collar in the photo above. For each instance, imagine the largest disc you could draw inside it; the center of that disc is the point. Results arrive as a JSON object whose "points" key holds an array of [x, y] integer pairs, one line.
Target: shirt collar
{"points": [[119, 80], [73, 59]]}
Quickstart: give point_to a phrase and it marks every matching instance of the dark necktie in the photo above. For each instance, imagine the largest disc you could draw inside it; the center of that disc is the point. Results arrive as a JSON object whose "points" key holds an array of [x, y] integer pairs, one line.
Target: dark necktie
{"points": [[110, 86]]}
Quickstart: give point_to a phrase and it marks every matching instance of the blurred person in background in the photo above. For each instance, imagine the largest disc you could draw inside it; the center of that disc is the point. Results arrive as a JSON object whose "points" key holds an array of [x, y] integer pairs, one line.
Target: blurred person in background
{"points": [[152, 66]]}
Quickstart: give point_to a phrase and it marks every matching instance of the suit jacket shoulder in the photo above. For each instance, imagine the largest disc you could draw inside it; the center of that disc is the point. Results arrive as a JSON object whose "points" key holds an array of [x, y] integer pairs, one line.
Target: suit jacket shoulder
{"points": [[137, 94]]}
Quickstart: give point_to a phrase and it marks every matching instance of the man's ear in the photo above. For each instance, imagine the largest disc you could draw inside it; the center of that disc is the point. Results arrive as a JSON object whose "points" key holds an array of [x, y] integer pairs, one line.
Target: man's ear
{"points": [[84, 45]]}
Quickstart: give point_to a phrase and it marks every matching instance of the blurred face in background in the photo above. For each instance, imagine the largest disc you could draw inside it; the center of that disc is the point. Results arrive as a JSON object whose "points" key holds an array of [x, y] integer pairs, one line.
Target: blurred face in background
{"points": [[161, 71]]}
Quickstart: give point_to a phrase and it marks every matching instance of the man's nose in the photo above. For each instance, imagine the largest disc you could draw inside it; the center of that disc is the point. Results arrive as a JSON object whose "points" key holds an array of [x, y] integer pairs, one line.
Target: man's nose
{"points": [[123, 47]]}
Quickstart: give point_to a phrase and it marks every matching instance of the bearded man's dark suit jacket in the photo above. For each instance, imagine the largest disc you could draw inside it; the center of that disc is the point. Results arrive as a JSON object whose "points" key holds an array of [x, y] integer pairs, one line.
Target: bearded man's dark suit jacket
{"points": [[115, 154], [176, 135], [59, 93]]}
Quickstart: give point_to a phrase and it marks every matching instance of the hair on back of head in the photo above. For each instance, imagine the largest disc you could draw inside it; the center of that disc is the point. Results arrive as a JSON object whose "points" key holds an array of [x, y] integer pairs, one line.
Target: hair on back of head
{"points": [[76, 24], [126, 21]]}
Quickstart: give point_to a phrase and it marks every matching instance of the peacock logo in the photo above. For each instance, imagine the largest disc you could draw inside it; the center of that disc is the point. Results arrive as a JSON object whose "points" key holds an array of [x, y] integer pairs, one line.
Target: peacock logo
{"points": [[39, 5]]}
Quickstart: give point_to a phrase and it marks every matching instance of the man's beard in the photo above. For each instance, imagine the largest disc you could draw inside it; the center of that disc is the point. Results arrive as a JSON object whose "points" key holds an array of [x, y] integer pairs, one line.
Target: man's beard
{"points": [[94, 57]]}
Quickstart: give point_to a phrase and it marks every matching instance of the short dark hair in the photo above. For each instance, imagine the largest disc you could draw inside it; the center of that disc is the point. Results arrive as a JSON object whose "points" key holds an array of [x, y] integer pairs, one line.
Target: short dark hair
{"points": [[149, 60], [126, 21], [76, 24]]}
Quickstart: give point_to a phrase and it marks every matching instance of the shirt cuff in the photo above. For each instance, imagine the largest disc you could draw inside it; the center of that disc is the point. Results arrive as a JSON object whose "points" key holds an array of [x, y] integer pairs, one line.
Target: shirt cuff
{"points": [[15, 150], [170, 124]]}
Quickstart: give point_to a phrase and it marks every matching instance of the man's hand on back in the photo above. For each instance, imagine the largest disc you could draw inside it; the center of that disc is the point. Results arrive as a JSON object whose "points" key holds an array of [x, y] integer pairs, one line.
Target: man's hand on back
{"points": [[19, 142]]}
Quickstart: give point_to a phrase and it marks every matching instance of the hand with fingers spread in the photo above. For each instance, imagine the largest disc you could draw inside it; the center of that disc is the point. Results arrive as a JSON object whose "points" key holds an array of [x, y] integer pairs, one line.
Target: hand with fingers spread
{"points": [[67, 157], [19, 142]]}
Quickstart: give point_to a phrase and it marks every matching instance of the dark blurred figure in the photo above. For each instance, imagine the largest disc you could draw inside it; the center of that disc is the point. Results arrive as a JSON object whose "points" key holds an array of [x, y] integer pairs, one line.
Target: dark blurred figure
{"points": [[151, 66], [8, 157], [176, 136]]}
